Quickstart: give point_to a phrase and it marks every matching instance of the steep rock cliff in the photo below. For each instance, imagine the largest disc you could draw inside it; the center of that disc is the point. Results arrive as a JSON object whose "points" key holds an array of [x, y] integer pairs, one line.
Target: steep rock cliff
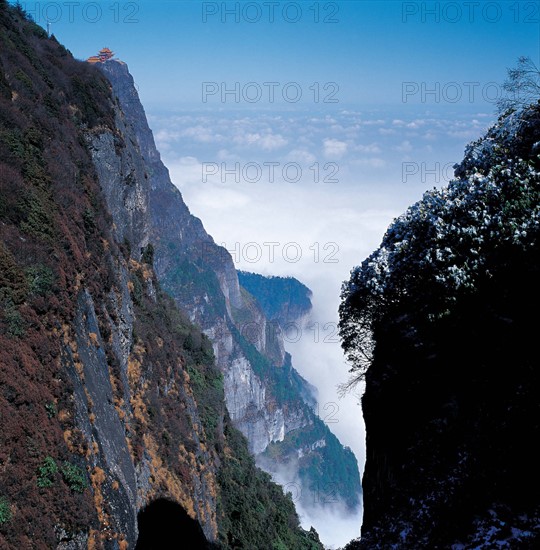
{"points": [[198, 274], [443, 314], [265, 397]]}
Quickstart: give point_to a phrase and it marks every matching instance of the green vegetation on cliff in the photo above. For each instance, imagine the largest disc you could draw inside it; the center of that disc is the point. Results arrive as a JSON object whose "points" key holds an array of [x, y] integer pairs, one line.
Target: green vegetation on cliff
{"points": [[327, 471], [281, 298]]}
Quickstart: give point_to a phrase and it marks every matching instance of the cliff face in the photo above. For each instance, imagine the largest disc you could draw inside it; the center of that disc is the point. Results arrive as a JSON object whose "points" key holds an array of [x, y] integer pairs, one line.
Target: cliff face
{"points": [[110, 400], [196, 272], [265, 397], [443, 313]]}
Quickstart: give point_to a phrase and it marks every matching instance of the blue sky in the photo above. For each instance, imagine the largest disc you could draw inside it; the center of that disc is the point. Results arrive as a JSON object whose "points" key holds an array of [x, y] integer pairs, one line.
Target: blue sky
{"points": [[449, 58], [369, 51]]}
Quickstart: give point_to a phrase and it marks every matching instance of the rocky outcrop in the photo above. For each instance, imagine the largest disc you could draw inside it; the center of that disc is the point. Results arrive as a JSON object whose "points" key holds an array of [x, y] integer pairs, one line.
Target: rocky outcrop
{"points": [[444, 312], [93, 391]]}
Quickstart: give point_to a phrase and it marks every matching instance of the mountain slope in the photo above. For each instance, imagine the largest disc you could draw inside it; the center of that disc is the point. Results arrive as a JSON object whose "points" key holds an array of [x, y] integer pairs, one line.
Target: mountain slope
{"points": [[451, 403], [110, 400]]}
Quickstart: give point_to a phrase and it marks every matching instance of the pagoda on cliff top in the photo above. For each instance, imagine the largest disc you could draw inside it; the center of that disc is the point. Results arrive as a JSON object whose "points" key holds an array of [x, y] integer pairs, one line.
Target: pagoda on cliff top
{"points": [[104, 55]]}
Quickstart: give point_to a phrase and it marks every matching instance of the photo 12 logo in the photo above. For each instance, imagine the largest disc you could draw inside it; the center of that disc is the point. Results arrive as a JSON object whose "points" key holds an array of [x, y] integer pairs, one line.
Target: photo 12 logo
{"points": [[291, 332], [427, 172], [272, 251], [322, 493], [451, 92], [270, 12], [268, 92], [267, 172], [318, 333], [470, 12], [50, 13]]}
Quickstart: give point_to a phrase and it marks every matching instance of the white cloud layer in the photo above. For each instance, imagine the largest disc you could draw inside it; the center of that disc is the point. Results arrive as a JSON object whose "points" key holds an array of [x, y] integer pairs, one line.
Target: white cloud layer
{"points": [[334, 148]]}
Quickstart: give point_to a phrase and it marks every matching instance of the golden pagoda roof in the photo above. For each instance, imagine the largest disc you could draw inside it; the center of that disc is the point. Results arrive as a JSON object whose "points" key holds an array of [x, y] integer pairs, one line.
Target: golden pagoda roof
{"points": [[104, 55]]}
